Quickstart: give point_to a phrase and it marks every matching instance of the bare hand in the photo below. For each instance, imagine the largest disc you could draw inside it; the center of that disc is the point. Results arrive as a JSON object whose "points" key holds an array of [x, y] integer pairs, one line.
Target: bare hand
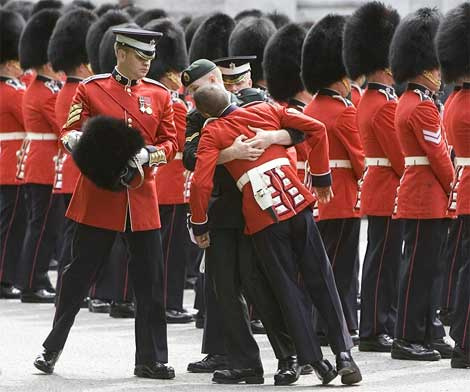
{"points": [[203, 240], [262, 139], [243, 150], [324, 194]]}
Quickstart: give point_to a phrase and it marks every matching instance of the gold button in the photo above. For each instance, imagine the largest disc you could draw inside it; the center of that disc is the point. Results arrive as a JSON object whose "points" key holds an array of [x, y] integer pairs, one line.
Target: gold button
{"points": [[129, 120]]}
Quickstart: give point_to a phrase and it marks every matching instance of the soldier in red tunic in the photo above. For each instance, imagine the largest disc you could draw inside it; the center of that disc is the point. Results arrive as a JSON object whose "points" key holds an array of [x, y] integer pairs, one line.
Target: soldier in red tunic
{"points": [[453, 47], [12, 133], [144, 105], [339, 223], [277, 211], [424, 189], [35, 160], [367, 39]]}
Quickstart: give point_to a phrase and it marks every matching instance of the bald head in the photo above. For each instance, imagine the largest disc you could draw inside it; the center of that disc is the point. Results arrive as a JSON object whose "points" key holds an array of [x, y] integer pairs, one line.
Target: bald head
{"points": [[211, 100]]}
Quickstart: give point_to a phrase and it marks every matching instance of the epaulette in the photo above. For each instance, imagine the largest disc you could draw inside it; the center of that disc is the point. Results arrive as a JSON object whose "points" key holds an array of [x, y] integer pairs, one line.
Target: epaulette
{"points": [[96, 77], [346, 101], [152, 81], [424, 96], [16, 84], [389, 93], [53, 85]]}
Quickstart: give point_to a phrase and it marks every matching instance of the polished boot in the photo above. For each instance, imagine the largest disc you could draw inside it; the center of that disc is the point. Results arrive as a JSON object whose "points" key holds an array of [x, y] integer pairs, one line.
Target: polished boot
{"points": [[209, 364], [460, 359], [236, 376], [403, 349], [98, 306], [257, 327], [444, 348], [9, 292], [46, 361], [306, 369], [174, 316], [288, 371], [155, 370], [381, 344], [324, 371], [122, 310], [42, 296], [347, 368]]}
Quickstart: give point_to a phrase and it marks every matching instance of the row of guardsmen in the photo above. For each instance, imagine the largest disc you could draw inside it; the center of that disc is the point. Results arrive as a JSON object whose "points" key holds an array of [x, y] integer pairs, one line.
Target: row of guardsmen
{"points": [[297, 133]]}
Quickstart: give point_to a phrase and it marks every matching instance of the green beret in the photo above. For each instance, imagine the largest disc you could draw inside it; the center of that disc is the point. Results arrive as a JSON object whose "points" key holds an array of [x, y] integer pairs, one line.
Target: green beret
{"points": [[196, 70]]}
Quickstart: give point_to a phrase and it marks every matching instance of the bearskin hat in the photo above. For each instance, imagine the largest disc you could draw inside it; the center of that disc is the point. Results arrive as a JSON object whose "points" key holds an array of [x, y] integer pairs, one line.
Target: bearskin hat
{"points": [[210, 41], [23, 7], [67, 49], [96, 32], [279, 19], [85, 4], [249, 38], [104, 149], [133, 10], [247, 13], [281, 63], [46, 4], [11, 26], [322, 62], [105, 7], [35, 38], [366, 38], [106, 52], [412, 50], [146, 16], [192, 27], [171, 49], [453, 43]]}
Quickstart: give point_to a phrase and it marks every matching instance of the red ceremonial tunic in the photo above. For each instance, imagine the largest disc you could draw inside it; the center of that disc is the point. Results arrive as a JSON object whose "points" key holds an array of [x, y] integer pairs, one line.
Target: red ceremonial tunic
{"points": [[356, 94], [459, 122], [66, 172], [288, 193], [42, 127], [339, 116], [171, 178], [12, 130], [104, 95], [424, 189], [376, 123]]}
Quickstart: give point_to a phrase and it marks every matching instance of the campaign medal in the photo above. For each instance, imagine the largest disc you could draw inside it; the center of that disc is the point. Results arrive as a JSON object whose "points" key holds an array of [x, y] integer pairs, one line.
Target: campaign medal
{"points": [[145, 105]]}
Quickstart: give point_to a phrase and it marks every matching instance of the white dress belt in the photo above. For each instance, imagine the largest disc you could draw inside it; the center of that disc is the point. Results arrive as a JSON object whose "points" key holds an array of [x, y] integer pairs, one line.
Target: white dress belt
{"points": [[385, 162], [178, 155], [462, 161], [40, 136], [263, 168], [12, 136], [300, 165], [340, 164], [416, 161]]}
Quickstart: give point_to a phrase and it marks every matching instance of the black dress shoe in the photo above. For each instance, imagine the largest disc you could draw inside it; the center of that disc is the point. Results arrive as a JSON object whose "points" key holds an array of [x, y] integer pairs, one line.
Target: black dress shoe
{"points": [[236, 376], [460, 359], [155, 370], [174, 316], [445, 315], [9, 292], [209, 364], [288, 371], [199, 320], [122, 310], [306, 369], [444, 348], [381, 344], [403, 349], [96, 305], [257, 327], [347, 368], [46, 361], [325, 371], [37, 296]]}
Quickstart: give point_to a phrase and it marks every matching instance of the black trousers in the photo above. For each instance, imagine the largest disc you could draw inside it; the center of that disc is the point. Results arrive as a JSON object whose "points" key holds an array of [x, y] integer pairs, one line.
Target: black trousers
{"points": [[460, 328], [12, 229], [341, 240], [90, 249], [379, 288], [419, 280], [453, 262], [283, 250], [40, 239]]}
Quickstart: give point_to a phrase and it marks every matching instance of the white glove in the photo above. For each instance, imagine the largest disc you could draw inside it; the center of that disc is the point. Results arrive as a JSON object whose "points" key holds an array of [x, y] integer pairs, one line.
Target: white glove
{"points": [[142, 157], [70, 140]]}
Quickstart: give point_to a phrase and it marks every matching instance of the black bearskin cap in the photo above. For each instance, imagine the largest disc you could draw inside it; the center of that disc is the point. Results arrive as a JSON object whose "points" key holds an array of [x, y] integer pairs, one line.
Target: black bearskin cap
{"points": [[104, 149], [453, 43], [146, 16], [67, 49], [412, 50], [281, 63], [96, 32], [171, 49], [35, 38], [23, 7], [322, 62], [105, 7], [192, 27], [279, 19], [106, 53], [46, 4], [249, 38], [133, 10], [11, 26], [247, 13], [366, 38], [84, 4], [210, 41]]}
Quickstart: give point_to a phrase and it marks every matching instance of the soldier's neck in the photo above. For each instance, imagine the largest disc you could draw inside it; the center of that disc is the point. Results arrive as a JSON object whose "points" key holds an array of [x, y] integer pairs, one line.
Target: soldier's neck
{"points": [[303, 96], [340, 88], [424, 82], [381, 77], [46, 70]]}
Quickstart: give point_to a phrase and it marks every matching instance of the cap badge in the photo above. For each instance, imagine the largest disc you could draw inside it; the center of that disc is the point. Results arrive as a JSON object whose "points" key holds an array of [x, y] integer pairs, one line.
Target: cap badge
{"points": [[186, 77]]}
